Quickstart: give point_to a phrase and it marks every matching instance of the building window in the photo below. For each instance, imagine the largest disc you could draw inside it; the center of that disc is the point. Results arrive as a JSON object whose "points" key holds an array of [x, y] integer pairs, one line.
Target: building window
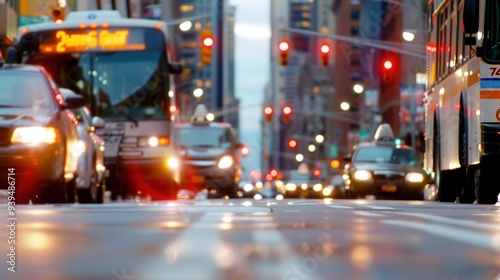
{"points": [[355, 76], [355, 14], [354, 30]]}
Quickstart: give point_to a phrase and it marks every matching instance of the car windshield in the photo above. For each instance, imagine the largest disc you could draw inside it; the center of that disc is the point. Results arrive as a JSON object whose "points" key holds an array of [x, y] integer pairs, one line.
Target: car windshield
{"points": [[380, 154], [24, 90], [210, 137]]}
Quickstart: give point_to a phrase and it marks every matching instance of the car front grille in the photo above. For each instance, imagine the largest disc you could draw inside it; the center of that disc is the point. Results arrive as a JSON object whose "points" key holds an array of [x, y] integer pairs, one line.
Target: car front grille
{"points": [[389, 178]]}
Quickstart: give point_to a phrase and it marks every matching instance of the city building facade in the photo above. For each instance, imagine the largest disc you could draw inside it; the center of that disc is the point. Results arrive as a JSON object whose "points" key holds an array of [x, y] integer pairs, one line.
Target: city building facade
{"points": [[303, 85]]}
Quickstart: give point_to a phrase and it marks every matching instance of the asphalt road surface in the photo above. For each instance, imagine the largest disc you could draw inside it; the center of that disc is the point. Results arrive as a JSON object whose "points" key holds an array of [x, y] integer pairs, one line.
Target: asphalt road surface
{"points": [[247, 239]]}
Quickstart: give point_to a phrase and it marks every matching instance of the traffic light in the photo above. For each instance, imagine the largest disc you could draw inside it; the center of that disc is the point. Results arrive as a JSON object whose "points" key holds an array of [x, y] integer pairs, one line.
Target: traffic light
{"points": [[284, 48], [273, 172], [388, 69], [335, 163], [57, 15], [268, 113], [206, 44], [292, 144], [324, 50], [316, 172], [286, 114]]}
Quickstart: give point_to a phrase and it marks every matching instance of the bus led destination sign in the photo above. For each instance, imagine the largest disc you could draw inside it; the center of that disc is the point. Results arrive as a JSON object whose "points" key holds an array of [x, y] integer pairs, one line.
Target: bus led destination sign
{"points": [[62, 41]]}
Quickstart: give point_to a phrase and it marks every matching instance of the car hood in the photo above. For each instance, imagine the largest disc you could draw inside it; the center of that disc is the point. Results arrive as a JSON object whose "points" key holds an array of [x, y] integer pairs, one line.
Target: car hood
{"points": [[24, 116], [203, 153], [385, 167]]}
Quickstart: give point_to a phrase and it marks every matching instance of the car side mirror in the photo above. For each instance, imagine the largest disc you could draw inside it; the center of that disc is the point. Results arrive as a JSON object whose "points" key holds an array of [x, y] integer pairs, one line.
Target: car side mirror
{"points": [[174, 68], [98, 122], [73, 102]]}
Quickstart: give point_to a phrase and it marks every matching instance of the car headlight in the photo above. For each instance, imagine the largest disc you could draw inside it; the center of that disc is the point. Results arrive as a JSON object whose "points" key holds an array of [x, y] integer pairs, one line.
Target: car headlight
{"points": [[172, 162], [154, 141], [362, 175], [414, 177], [225, 162], [317, 187], [248, 187], [291, 187], [34, 135], [327, 191]]}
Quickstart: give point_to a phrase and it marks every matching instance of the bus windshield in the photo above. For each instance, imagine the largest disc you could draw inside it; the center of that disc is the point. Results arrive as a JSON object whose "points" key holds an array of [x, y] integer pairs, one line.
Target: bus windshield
{"points": [[492, 32], [117, 85]]}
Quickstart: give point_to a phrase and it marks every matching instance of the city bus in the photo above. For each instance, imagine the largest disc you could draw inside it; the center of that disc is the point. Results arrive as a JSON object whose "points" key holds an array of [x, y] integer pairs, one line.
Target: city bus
{"points": [[462, 101], [122, 67]]}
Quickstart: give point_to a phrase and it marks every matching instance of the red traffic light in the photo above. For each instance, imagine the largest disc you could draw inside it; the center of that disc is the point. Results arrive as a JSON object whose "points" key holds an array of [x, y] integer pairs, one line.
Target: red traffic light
{"points": [[284, 46], [286, 113], [268, 112], [325, 48], [317, 172], [273, 172], [388, 64], [287, 110], [292, 144], [325, 51]]}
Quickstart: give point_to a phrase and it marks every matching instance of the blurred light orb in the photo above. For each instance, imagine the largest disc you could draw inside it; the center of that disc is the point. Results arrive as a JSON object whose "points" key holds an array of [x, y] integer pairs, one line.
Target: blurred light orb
{"points": [[185, 26], [198, 92], [299, 157], [345, 106], [210, 117]]}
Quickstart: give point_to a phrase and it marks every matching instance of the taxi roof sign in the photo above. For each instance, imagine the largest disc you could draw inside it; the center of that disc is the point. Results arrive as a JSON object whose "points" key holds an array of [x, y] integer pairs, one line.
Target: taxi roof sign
{"points": [[384, 134], [200, 113]]}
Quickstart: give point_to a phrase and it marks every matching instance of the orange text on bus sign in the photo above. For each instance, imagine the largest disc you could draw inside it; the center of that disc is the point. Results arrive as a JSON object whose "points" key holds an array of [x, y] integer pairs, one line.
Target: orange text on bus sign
{"points": [[94, 39]]}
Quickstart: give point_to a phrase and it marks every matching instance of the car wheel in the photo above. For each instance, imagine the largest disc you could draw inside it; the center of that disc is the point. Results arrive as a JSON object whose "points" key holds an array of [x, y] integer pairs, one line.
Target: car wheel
{"points": [[101, 189], [487, 191], [89, 194]]}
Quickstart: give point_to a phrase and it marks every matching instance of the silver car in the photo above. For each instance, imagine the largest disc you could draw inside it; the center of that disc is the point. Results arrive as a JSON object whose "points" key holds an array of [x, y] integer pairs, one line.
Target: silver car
{"points": [[90, 180]]}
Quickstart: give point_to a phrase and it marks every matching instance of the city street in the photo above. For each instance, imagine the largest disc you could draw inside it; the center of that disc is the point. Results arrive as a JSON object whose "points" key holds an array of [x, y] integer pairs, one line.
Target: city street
{"points": [[247, 239]]}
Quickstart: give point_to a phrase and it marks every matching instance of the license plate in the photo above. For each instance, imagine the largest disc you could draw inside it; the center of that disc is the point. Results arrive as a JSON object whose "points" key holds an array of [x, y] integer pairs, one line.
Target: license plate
{"points": [[389, 188], [198, 178]]}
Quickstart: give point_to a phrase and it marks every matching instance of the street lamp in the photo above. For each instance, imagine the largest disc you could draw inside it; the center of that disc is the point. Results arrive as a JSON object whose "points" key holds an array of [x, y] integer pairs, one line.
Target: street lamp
{"points": [[198, 92], [319, 138], [409, 34], [311, 148], [345, 106], [185, 26], [299, 157], [358, 88]]}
